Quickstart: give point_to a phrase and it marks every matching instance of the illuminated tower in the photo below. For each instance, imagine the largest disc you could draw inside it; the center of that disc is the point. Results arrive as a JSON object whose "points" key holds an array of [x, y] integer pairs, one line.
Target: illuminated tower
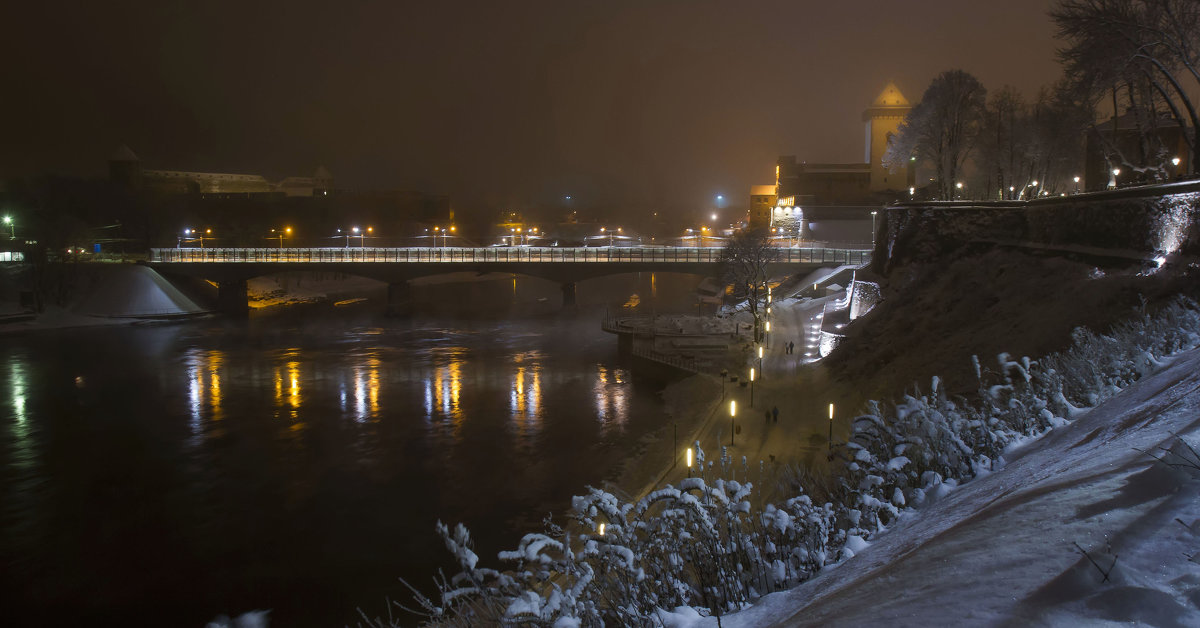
{"points": [[883, 120]]}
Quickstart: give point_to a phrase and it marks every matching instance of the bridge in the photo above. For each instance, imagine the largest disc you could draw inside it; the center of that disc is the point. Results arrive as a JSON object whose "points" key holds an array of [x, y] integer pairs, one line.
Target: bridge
{"points": [[231, 268]]}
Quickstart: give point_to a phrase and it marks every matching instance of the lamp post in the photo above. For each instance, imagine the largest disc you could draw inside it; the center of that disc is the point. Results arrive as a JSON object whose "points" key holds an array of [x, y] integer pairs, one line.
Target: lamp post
{"points": [[286, 231], [732, 415], [959, 186], [752, 387], [12, 229], [831, 428], [1116, 173], [1077, 185], [873, 228], [760, 353], [689, 461]]}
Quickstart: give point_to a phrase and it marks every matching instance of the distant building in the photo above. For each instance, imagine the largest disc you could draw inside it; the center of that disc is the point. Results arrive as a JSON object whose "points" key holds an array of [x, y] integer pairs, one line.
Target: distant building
{"points": [[801, 184], [126, 169], [1120, 140]]}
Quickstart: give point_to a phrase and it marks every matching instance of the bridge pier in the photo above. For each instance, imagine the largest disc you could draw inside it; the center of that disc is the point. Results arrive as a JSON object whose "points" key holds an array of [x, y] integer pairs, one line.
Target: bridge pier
{"points": [[399, 299], [568, 290], [233, 298]]}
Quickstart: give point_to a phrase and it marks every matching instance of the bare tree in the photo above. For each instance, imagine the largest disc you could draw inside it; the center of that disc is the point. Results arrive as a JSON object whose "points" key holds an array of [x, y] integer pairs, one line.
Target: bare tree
{"points": [[1141, 51], [744, 266], [942, 128], [1021, 143]]}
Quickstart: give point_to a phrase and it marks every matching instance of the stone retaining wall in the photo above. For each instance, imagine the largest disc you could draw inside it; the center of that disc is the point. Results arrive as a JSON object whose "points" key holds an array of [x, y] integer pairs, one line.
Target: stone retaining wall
{"points": [[1146, 222]]}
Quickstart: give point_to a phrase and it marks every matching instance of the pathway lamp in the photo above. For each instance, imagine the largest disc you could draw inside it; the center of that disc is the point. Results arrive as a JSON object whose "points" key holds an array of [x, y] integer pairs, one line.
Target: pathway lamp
{"points": [[689, 461], [912, 191], [873, 228], [752, 387], [1077, 185], [959, 185], [831, 428], [760, 358], [12, 229], [732, 415], [1011, 190]]}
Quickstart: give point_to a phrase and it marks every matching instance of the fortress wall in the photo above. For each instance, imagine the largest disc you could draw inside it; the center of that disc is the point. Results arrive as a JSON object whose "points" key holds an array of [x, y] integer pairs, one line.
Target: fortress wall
{"points": [[1147, 223]]}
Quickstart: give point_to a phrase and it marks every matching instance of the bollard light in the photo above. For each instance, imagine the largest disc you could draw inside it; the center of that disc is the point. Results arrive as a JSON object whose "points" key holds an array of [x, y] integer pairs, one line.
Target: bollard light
{"points": [[689, 458], [601, 529]]}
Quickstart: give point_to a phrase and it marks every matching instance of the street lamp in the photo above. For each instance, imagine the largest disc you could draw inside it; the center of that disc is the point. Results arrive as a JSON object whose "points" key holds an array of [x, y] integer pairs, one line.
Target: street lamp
{"points": [[1077, 185], [959, 185], [282, 233], [752, 387], [831, 428], [12, 229], [873, 228], [732, 415]]}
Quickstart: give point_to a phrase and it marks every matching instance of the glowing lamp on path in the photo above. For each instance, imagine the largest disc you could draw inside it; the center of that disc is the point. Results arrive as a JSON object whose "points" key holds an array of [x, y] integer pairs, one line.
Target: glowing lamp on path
{"points": [[601, 529], [1175, 161]]}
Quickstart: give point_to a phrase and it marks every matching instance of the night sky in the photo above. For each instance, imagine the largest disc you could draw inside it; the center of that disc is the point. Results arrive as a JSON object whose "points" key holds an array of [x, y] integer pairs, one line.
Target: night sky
{"points": [[629, 105]]}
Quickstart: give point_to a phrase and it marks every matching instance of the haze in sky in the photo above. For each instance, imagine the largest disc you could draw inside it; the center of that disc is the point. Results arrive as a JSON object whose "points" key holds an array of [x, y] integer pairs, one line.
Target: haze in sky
{"points": [[650, 104]]}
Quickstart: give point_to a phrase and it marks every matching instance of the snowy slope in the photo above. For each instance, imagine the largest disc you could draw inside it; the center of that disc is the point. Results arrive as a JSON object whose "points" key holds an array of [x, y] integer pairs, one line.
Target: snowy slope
{"points": [[1001, 549], [129, 290]]}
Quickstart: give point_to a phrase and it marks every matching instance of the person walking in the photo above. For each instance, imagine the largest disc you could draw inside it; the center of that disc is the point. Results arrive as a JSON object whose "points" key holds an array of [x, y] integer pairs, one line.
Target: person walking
{"points": [[775, 413]]}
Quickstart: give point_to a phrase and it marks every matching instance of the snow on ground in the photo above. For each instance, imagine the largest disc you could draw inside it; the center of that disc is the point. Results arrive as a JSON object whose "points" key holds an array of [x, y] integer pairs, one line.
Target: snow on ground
{"points": [[1002, 549]]}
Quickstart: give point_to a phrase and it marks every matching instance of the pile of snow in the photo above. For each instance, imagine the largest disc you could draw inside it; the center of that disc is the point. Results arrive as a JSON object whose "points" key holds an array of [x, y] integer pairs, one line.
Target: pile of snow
{"points": [[131, 291]]}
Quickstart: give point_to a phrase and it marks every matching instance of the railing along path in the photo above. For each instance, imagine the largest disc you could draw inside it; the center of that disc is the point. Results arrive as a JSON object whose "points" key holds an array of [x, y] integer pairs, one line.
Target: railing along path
{"points": [[814, 255]]}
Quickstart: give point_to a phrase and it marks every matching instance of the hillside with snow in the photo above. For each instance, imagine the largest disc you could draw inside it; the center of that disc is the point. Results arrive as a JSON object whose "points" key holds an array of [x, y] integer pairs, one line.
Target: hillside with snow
{"points": [[1008, 548]]}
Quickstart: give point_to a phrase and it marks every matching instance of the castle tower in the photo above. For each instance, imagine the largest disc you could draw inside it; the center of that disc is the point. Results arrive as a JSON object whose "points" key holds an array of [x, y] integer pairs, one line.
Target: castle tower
{"points": [[883, 120]]}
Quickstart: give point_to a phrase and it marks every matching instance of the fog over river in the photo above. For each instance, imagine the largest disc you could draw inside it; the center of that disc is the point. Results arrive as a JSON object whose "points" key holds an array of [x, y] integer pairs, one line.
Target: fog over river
{"points": [[297, 461]]}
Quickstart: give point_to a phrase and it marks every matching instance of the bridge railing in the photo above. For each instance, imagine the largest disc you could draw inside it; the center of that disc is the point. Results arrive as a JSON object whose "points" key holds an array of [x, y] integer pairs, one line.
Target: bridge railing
{"points": [[491, 254]]}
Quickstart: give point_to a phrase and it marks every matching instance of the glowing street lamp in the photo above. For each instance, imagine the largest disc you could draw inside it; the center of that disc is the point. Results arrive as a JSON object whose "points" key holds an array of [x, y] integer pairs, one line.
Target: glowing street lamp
{"points": [[689, 461], [12, 229], [873, 227], [732, 415], [286, 231], [752, 387], [831, 427], [1077, 185]]}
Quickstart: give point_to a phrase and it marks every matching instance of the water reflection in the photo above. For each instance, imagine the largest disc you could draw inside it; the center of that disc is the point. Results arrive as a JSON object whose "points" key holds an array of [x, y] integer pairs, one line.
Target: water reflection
{"points": [[444, 387], [612, 401], [366, 389], [21, 454], [525, 395], [199, 365]]}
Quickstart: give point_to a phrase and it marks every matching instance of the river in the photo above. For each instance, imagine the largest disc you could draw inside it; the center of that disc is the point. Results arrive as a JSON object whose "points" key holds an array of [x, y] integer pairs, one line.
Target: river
{"points": [[298, 460]]}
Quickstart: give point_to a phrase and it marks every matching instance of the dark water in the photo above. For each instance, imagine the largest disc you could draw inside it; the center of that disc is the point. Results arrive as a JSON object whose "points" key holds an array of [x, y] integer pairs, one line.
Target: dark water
{"points": [[298, 461]]}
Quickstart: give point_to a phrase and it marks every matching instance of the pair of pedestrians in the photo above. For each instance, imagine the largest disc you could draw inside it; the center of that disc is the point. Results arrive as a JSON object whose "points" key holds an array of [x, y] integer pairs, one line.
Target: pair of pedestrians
{"points": [[789, 348], [772, 415]]}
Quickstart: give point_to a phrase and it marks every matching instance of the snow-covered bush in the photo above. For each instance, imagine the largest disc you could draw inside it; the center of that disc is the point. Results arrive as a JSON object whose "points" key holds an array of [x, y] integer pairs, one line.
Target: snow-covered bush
{"points": [[702, 544]]}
